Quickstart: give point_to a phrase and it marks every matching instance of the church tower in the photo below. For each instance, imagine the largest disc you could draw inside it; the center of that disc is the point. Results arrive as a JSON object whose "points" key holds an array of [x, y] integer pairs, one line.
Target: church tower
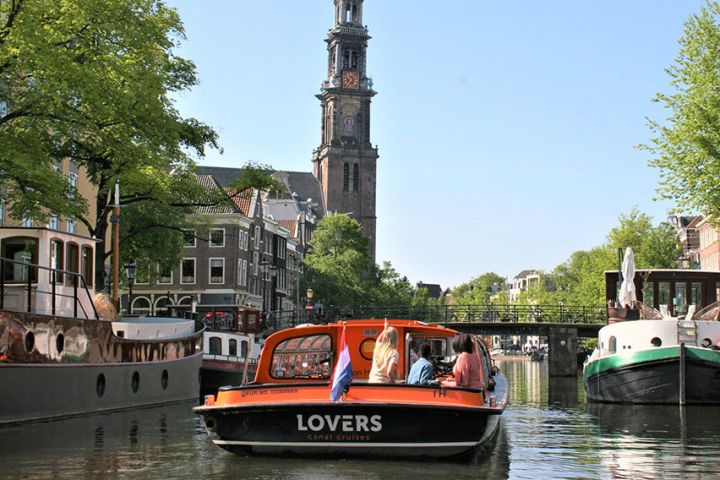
{"points": [[345, 162]]}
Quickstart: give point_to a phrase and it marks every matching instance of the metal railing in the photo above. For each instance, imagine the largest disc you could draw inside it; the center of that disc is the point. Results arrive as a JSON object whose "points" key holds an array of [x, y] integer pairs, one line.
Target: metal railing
{"points": [[560, 314], [23, 277]]}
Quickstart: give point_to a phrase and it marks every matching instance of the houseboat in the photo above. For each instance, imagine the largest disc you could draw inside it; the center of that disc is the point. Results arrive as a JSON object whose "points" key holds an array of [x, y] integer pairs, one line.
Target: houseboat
{"points": [[231, 345], [58, 359], [665, 351], [288, 409]]}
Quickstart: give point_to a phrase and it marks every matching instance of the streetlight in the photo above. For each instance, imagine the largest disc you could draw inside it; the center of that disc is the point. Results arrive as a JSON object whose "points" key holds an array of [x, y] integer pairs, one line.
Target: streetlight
{"points": [[130, 271]]}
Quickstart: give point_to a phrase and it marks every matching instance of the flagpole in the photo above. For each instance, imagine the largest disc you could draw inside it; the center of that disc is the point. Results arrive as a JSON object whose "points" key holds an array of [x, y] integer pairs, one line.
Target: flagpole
{"points": [[116, 247]]}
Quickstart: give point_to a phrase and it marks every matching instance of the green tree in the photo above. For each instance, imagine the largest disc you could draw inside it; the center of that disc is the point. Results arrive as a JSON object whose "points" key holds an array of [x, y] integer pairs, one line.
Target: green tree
{"points": [[686, 146], [93, 82], [339, 266], [480, 290], [654, 247]]}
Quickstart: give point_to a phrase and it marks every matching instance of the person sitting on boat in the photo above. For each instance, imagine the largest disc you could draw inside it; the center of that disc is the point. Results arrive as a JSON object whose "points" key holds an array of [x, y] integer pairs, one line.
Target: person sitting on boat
{"points": [[104, 307], [413, 353], [385, 357], [467, 366], [422, 369]]}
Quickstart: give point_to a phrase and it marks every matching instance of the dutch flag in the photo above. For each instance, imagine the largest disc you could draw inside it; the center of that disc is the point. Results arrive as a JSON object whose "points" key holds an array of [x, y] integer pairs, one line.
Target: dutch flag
{"points": [[342, 375]]}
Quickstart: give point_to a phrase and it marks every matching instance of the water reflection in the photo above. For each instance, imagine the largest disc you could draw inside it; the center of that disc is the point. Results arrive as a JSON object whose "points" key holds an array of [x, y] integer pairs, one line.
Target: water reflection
{"points": [[547, 432], [654, 441]]}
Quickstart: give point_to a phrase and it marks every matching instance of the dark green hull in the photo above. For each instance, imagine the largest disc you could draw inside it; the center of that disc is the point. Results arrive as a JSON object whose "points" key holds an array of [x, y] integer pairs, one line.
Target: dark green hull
{"points": [[672, 375]]}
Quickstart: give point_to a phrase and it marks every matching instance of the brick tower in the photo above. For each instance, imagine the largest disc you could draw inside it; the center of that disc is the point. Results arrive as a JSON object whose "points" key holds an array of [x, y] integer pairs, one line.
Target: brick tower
{"points": [[345, 162]]}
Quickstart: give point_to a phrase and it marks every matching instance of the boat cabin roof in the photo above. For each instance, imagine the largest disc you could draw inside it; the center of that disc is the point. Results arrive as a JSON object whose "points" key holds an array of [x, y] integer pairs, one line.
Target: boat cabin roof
{"points": [[308, 351]]}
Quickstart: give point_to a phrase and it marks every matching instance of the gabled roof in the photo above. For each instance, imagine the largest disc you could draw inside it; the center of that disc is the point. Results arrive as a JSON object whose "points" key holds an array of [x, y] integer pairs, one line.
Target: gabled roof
{"points": [[434, 290], [525, 274], [305, 187], [242, 200], [209, 183], [290, 225]]}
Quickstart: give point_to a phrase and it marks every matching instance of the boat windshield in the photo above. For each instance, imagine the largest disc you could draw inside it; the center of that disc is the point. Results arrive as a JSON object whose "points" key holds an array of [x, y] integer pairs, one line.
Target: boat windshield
{"points": [[303, 357]]}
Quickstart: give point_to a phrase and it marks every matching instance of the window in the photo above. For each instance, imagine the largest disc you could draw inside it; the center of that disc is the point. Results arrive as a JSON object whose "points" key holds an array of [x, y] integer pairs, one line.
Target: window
{"points": [[23, 250], [142, 277], [243, 349], [309, 356], [56, 257], [215, 346], [54, 223], [217, 270], [612, 345], [73, 180], [217, 237], [356, 177], [87, 265], [257, 238], [2, 213], [71, 225], [664, 293], [243, 239], [189, 239], [72, 263], [165, 275], [649, 294], [242, 273], [4, 108], [26, 222], [187, 273], [141, 305], [256, 263], [232, 347], [346, 177]]}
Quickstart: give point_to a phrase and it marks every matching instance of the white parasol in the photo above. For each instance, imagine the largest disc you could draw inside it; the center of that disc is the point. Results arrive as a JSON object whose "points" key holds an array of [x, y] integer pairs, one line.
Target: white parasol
{"points": [[627, 295]]}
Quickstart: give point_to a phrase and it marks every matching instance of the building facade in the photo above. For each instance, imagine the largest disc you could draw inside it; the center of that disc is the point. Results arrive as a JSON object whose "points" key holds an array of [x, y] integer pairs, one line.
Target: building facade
{"points": [[345, 163], [709, 248]]}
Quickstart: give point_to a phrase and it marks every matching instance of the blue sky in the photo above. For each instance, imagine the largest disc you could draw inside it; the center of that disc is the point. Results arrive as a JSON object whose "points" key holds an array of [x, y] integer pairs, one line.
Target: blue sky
{"points": [[506, 130]]}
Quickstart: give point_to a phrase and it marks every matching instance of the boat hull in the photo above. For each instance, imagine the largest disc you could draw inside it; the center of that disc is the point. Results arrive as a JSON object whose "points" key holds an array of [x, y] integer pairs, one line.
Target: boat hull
{"points": [[352, 430], [656, 376], [46, 391]]}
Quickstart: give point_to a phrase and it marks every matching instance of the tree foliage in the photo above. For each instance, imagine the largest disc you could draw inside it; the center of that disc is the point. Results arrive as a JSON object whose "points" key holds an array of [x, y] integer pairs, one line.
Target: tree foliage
{"points": [[686, 147], [93, 82], [340, 270], [480, 290]]}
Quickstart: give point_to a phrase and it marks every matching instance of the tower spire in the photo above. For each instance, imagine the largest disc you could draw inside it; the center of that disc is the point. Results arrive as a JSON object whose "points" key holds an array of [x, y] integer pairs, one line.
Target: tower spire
{"points": [[345, 162]]}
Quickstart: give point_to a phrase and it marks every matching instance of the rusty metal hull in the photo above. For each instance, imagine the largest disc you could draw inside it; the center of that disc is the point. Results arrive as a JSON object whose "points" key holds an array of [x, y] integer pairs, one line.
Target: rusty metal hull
{"points": [[52, 367]]}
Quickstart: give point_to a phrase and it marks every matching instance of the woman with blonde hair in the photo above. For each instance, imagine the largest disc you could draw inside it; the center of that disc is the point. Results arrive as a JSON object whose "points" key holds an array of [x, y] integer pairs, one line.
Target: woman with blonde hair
{"points": [[385, 357]]}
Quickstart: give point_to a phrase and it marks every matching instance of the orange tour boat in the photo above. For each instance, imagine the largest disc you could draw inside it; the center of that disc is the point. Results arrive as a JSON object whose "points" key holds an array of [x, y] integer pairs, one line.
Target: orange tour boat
{"points": [[311, 397]]}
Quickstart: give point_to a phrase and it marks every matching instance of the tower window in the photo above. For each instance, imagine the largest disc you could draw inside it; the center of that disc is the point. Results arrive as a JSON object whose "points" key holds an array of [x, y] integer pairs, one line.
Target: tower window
{"points": [[350, 59], [356, 177], [346, 177]]}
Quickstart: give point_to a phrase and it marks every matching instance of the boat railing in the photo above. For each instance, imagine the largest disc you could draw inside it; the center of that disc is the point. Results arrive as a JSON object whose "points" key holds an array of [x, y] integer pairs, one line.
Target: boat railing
{"points": [[26, 287], [229, 358]]}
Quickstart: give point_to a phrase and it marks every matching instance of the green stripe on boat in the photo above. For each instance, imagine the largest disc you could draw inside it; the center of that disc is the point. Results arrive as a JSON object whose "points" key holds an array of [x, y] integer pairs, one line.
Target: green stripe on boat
{"points": [[654, 355]]}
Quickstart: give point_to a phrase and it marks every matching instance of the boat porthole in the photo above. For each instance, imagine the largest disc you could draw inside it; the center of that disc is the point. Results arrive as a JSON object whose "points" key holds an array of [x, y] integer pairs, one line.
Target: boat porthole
{"points": [[164, 380], [706, 342], [135, 382], [656, 342], [211, 424], [29, 342], [100, 385], [60, 342]]}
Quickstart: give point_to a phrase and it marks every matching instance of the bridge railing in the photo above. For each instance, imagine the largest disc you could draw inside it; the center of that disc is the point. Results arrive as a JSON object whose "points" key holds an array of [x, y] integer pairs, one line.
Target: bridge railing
{"points": [[562, 314]]}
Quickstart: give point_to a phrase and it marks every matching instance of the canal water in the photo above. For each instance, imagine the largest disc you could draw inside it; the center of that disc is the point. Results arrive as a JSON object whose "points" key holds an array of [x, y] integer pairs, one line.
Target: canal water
{"points": [[547, 432]]}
